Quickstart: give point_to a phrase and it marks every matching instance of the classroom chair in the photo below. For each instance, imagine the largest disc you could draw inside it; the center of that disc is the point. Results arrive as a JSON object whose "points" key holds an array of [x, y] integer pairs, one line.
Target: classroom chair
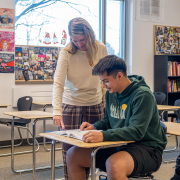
{"points": [[23, 104], [177, 113], [160, 99], [147, 175]]}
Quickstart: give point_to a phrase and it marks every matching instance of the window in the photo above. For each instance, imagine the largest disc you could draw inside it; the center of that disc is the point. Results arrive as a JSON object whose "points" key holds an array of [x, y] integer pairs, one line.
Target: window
{"points": [[40, 22], [115, 27]]}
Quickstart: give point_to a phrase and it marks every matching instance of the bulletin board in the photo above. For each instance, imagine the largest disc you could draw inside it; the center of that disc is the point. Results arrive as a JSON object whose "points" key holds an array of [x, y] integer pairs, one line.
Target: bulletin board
{"points": [[167, 40], [35, 64]]}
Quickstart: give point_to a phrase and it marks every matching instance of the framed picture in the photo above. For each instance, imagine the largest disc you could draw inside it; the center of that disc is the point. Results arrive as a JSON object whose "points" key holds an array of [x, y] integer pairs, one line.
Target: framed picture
{"points": [[167, 40]]}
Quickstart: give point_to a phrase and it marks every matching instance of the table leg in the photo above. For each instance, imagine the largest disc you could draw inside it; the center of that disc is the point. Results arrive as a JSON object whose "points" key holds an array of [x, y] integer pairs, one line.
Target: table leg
{"points": [[53, 160], [12, 144], [34, 152], [93, 163]]}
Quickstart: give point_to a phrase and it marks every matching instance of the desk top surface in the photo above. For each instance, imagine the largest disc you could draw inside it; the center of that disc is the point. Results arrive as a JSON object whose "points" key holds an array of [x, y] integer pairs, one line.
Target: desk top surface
{"points": [[80, 143], [42, 102], [4, 105], [30, 114], [166, 107], [173, 128]]}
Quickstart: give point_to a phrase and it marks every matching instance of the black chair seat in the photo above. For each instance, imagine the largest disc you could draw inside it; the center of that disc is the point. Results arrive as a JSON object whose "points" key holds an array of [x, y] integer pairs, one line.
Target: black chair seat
{"points": [[17, 122]]}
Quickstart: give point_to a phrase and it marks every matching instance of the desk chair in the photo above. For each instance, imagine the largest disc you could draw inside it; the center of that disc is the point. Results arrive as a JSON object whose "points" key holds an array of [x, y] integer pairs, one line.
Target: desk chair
{"points": [[160, 99], [23, 104], [177, 113], [144, 176]]}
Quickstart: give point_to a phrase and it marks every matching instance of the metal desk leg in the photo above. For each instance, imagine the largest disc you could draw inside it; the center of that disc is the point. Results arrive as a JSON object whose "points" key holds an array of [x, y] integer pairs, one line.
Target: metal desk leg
{"points": [[12, 144], [12, 150], [44, 127], [34, 153], [93, 158], [53, 160], [93, 163]]}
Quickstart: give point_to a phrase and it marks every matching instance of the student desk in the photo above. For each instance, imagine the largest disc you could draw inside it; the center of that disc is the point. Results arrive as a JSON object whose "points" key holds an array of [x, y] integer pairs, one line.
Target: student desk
{"points": [[43, 103], [173, 128], [4, 105], [167, 108], [36, 115], [164, 108], [79, 143]]}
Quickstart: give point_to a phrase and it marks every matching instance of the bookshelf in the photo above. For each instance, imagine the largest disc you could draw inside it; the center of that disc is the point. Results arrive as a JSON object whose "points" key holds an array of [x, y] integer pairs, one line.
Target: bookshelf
{"points": [[161, 77]]}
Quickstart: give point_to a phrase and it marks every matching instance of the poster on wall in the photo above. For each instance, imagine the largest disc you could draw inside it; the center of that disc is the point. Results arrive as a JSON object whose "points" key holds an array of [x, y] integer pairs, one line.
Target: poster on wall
{"points": [[6, 18], [35, 63], [6, 41], [150, 10], [167, 40], [6, 63]]}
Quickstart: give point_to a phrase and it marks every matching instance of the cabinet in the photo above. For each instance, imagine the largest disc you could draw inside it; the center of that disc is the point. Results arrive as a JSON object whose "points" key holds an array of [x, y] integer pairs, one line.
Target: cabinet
{"points": [[161, 77]]}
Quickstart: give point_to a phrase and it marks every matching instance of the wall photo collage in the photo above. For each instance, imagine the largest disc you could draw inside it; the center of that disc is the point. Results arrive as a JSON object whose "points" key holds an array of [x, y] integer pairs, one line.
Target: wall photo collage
{"points": [[35, 63], [167, 40]]}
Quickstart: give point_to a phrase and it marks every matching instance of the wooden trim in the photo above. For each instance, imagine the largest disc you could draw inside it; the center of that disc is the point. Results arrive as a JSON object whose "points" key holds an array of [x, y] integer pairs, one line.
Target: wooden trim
{"points": [[155, 40], [48, 81]]}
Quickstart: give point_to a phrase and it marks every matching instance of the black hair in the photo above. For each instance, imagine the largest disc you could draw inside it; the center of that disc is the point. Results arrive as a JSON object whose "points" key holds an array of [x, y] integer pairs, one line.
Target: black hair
{"points": [[111, 64]]}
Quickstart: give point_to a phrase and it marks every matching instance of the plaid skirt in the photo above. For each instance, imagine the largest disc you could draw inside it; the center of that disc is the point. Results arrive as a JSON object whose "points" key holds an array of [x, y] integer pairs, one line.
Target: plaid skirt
{"points": [[73, 117]]}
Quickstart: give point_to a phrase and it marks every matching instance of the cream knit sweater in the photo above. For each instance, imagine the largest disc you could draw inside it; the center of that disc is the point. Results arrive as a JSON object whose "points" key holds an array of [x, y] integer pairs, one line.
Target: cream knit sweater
{"points": [[73, 80]]}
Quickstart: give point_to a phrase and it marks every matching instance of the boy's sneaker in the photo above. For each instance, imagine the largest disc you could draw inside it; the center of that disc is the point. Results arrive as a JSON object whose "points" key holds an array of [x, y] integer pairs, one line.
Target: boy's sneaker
{"points": [[177, 170]]}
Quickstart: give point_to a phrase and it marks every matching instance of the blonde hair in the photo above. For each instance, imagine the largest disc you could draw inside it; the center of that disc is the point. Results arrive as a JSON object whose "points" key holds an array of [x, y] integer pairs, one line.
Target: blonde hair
{"points": [[79, 26]]}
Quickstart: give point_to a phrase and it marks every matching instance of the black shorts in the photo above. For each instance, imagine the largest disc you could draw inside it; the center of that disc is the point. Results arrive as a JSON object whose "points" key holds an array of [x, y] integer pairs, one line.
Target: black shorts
{"points": [[146, 159]]}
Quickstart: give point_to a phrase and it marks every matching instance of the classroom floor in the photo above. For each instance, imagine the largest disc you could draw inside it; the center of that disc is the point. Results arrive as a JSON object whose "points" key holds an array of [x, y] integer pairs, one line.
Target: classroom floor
{"points": [[24, 161]]}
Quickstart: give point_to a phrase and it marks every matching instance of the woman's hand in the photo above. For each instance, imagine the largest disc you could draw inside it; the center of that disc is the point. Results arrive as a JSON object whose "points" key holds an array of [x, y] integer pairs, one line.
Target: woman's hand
{"points": [[58, 121]]}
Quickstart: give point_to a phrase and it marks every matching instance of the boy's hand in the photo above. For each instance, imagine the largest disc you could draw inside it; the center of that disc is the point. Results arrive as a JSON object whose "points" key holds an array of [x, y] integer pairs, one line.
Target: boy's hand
{"points": [[93, 137], [86, 126]]}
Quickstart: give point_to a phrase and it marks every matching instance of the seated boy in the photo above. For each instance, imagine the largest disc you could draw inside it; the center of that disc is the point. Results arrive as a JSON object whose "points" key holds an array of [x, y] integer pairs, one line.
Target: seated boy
{"points": [[131, 115]]}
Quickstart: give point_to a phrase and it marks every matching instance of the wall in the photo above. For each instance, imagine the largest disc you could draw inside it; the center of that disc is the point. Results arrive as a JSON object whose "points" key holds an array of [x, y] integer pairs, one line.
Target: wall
{"points": [[143, 40], [7, 82]]}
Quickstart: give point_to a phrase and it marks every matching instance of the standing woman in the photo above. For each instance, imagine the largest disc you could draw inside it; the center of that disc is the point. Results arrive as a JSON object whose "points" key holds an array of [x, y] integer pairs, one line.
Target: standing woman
{"points": [[77, 95]]}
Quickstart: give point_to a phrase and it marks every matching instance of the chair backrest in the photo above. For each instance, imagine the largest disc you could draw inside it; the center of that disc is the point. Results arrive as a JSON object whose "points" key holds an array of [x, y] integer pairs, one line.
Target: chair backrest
{"points": [[177, 103], [160, 97], [163, 126], [24, 103]]}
